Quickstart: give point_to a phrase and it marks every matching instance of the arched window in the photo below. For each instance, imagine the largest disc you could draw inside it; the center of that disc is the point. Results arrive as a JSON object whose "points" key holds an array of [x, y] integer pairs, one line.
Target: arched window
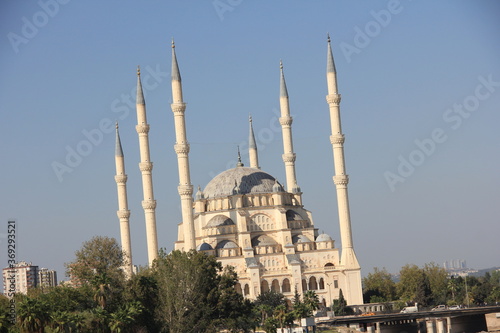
{"points": [[264, 286], [237, 287], [246, 290], [275, 286], [313, 285], [321, 284], [286, 286], [304, 285]]}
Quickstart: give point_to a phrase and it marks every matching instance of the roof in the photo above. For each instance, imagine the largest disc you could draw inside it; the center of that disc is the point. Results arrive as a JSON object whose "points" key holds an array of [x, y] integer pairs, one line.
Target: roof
{"points": [[263, 240], [323, 238], [226, 244], [239, 180], [219, 220]]}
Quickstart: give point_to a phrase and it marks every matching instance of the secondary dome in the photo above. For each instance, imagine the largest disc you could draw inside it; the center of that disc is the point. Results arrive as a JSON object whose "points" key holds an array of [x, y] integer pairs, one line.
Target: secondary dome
{"points": [[219, 221], [240, 180]]}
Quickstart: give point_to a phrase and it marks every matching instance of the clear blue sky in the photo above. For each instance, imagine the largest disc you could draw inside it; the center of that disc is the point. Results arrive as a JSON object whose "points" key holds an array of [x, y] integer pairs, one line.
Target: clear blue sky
{"points": [[420, 85]]}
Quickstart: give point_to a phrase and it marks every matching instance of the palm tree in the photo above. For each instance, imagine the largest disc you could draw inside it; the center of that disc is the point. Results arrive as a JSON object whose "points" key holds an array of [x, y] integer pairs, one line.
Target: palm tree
{"points": [[280, 315], [60, 320], [311, 300], [31, 315], [452, 286]]}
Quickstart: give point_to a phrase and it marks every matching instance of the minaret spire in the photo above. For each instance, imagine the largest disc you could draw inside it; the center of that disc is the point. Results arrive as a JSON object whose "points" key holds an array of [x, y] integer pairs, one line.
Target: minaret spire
{"points": [[146, 167], [181, 147], [123, 212], [252, 147], [286, 126], [341, 179]]}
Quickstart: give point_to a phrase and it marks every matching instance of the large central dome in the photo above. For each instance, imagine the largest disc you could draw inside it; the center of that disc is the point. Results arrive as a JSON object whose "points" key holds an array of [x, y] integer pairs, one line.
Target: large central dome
{"points": [[239, 180]]}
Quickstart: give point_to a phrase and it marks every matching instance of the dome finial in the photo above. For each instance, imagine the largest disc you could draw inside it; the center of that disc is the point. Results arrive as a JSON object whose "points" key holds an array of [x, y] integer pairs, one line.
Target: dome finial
{"points": [[239, 164], [173, 43], [328, 37], [138, 70]]}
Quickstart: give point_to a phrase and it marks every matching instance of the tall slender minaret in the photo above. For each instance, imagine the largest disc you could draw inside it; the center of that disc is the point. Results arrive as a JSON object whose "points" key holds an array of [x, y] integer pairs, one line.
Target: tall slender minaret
{"points": [[146, 167], [286, 127], [181, 147], [252, 147], [123, 212], [341, 179]]}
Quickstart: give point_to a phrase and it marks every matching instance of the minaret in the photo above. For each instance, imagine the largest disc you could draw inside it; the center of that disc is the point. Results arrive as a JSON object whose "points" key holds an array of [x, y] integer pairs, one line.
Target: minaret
{"points": [[286, 128], [181, 147], [123, 212], [348, 257], [146, 167], [252, 147]]}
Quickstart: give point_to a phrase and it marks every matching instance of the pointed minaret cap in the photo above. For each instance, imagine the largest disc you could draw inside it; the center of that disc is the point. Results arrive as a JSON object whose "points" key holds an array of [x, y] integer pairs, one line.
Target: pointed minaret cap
{"points": [[251, 139], [330, 64], [140, 95], [176, 75], [283, 90], [118, 146]]}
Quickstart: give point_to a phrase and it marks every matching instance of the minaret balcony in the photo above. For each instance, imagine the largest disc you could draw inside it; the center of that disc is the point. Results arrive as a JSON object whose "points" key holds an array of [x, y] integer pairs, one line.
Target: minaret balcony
{"points": [[333, 99]]}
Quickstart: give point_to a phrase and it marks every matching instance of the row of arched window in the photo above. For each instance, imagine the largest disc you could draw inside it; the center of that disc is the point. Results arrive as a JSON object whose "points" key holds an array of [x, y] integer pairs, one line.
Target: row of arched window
{"points": [[285, 287]]}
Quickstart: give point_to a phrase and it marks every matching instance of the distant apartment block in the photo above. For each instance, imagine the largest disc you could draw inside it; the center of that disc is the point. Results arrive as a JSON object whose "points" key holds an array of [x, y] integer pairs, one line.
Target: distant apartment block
{"points": [[47, 277], [455, 264], [23, 276]]}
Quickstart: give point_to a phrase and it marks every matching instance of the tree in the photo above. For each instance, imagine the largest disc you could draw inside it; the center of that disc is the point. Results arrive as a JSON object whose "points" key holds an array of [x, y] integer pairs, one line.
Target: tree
{"points": [[280, 315], [99, 264], [438, 282], [31, 314], [414, 285], [311, 301], [340, 307], [191, 296], [379, 286]]}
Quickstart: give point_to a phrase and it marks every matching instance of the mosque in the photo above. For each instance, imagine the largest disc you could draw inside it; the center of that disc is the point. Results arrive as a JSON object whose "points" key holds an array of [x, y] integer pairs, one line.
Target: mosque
{"points": [[245, 217]]}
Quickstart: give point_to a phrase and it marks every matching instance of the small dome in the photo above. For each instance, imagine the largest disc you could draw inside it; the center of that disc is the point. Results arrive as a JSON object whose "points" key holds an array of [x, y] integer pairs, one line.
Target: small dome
{"points": [[277, 187], [218, 221], [226, 244], [246, 180], [293, 216], [323, 238], [204, 247], [263, 240], [300, 239]]}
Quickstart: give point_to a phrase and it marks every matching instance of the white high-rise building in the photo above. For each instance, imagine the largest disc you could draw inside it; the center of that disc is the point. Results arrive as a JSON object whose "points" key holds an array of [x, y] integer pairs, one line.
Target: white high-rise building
{"points": [[20, 278]]}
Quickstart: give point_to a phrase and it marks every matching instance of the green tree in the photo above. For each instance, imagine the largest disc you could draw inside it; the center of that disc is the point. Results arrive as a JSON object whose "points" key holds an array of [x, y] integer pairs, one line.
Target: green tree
{"points": [[188, 290], [438, 282], [379, 286], [311, 301], [340, 307], [413, 285], [99, 264], [32, 314], [5, 319], [280, 315], [143, 287]]}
